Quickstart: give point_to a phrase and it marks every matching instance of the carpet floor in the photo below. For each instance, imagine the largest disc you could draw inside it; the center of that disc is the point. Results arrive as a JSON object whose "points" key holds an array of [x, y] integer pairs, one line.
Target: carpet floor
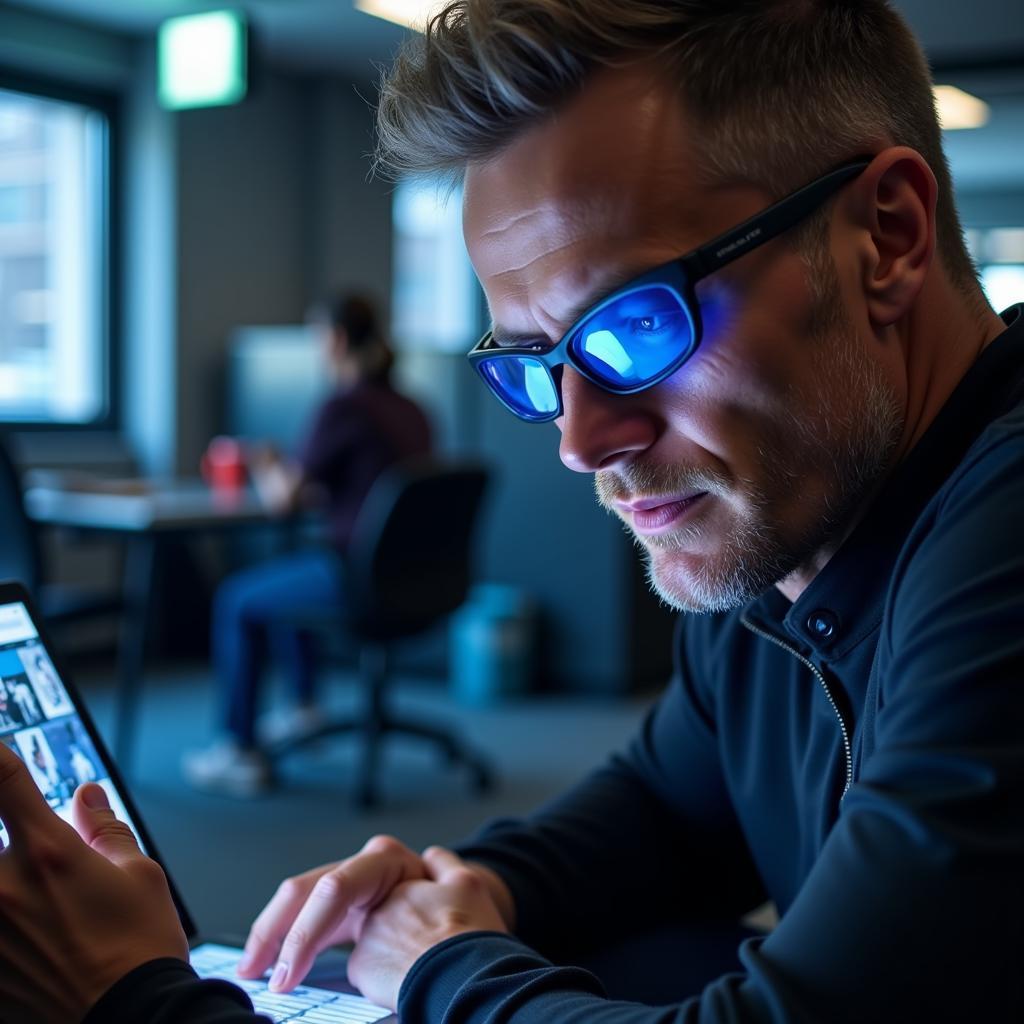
{"points": [[227, 855]]}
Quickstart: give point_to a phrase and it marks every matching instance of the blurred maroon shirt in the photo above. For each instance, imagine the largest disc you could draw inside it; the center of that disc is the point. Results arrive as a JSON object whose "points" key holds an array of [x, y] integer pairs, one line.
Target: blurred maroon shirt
{"points": [[355, 435]]}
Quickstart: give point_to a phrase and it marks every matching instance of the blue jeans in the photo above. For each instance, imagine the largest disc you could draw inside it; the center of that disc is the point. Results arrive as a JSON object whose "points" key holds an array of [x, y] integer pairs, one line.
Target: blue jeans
{"points": [[258, 612]]}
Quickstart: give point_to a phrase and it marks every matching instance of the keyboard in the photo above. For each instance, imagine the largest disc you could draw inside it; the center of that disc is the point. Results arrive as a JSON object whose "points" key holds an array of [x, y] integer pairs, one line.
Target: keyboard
{"points": [[304, 1003]]}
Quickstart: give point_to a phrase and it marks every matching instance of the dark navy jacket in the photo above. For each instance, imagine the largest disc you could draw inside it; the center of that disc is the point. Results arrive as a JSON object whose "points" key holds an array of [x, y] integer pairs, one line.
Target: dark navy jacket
{"points": [[857, 757]]}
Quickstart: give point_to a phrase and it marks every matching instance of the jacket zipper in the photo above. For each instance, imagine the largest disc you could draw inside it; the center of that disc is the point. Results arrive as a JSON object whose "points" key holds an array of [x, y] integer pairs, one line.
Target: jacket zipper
{"points": [[847, 749]]}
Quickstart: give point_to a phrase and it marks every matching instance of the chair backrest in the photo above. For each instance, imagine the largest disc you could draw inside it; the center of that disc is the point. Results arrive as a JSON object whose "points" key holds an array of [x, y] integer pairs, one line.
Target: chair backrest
{"points": [[19, 544], [409, 559]]}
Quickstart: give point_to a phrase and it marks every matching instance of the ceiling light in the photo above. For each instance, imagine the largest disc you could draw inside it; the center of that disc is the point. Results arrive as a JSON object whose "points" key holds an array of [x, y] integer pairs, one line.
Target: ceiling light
{"points": [[407, 13], [959, 109]]}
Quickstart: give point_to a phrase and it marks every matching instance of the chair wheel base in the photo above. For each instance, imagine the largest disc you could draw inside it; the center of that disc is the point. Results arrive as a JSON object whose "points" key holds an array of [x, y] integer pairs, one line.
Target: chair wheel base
{"points": [[366, 799], [366, 796], [484, 781]]}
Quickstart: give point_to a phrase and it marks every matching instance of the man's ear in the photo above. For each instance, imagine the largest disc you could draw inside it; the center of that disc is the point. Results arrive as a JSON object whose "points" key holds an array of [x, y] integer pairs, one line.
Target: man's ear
{"points": [[894, 205]]}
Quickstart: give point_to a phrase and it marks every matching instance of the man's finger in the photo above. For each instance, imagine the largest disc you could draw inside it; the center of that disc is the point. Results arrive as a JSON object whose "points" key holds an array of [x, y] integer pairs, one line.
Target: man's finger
{"points": [[355, 885], [22, 807], [441, 862], [271, 926], [96, 823]]}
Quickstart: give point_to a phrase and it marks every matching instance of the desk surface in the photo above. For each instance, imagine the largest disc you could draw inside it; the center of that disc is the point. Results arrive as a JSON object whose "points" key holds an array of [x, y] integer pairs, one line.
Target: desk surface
{"points": [[148, 506]]}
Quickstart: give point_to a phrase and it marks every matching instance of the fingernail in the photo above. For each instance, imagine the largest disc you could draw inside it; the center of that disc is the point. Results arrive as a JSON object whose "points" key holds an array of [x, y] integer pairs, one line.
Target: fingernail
{"points": [[95, 798], [277, 979], [245, 963]]}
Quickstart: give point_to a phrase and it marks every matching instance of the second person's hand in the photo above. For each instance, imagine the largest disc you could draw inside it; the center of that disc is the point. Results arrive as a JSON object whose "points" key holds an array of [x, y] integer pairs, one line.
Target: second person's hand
{"points": [[323, 907]]}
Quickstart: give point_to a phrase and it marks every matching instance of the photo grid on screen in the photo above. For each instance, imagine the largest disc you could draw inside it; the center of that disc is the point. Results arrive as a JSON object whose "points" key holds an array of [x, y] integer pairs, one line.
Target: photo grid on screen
{"points": [[38, 721]]}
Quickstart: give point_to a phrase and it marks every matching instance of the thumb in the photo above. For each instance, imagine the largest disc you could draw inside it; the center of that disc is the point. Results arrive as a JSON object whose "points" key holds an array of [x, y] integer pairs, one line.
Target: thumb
{"points": [[441, 862], [96, 823]]}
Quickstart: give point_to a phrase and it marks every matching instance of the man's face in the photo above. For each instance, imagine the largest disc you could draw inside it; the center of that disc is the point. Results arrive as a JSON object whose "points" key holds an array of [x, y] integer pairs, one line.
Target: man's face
{"points": [[752, 459]]}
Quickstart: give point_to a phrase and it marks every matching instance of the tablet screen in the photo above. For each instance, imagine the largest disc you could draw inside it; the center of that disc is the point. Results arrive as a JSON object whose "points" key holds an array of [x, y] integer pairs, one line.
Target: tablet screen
{"points": [[39, 722]]}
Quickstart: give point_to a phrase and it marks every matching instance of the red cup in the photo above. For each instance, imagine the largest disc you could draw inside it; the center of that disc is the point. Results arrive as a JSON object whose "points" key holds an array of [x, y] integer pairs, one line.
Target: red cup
{"points": [[223, 465]]}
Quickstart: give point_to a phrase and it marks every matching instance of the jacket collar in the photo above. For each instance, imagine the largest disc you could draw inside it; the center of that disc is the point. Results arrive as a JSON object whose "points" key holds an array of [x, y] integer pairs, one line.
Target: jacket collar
{"points": [[844, 602]]}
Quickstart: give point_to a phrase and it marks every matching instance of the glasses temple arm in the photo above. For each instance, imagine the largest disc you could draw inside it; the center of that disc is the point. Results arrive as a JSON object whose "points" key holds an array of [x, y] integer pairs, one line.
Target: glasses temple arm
{"points": [[767, 224]]}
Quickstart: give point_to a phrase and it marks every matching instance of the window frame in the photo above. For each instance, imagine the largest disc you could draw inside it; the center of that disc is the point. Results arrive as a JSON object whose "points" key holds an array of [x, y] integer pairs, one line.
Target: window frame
{"points": [[109, 105]]}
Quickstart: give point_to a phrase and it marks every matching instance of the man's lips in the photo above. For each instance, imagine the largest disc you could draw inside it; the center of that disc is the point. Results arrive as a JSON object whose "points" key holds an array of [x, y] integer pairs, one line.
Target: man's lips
{"points": [[653, 515], [643, 504]]}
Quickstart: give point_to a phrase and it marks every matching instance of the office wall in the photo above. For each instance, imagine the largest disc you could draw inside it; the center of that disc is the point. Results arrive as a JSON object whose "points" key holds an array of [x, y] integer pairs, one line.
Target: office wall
{"points": [[992, 209], [40, 45], [350, 216], [274, 207], [241, 254]]}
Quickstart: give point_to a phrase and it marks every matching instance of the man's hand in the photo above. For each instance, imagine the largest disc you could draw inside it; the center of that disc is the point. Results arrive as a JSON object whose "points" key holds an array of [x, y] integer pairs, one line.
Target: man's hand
{"points": [[328, 905], [455, 898], [323, 907], [74, 916]]}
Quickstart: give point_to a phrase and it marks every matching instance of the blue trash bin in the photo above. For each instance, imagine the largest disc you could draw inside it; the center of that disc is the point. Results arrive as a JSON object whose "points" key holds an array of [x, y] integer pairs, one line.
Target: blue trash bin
{"points": [[493, 644]]}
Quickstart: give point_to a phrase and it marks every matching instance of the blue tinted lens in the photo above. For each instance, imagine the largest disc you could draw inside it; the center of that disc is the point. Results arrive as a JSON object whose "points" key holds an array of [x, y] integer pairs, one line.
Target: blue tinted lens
{"points": [[522, 383], [633, 339]]}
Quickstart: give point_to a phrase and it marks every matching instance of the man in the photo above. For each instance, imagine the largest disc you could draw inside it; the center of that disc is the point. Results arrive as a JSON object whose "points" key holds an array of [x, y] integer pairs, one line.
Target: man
{"points": [[813, 426]]}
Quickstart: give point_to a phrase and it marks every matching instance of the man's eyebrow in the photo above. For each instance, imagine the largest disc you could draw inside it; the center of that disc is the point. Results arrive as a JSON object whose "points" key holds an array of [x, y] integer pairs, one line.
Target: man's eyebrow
{"points": [[513, 339]]}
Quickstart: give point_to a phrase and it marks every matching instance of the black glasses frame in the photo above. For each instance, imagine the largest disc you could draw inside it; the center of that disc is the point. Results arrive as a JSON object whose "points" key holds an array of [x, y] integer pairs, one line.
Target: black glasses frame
{"points": [[679, 275]]}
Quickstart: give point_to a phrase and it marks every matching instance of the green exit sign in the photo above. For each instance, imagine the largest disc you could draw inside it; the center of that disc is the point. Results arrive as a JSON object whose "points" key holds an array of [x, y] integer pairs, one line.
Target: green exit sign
{"points": [[202, 60]]}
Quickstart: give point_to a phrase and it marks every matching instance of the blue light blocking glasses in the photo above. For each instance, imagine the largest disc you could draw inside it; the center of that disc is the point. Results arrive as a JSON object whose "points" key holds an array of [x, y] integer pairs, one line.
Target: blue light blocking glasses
{"points": [[644, 331]]}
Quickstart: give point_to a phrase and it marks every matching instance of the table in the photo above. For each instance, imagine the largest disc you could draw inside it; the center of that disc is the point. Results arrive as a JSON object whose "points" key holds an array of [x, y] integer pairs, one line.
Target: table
{"points": [[144, 513]]}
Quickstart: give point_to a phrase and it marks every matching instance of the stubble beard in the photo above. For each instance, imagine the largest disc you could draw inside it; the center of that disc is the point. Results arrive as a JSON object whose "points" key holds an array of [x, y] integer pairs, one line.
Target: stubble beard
{"points": [[846, 431]]}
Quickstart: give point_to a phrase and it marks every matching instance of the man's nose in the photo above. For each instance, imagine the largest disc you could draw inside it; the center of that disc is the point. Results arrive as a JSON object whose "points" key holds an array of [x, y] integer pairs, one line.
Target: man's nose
{"points": [[600, 430]]}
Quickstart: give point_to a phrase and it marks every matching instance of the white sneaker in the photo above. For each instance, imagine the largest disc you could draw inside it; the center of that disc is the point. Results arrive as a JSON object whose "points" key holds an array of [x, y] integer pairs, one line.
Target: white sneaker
{"points": [[289, 724], [225, 767]]}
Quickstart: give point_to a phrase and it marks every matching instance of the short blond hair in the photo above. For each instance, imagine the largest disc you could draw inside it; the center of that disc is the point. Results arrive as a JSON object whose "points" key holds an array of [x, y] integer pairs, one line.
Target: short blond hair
{"points": [[780, 90]]}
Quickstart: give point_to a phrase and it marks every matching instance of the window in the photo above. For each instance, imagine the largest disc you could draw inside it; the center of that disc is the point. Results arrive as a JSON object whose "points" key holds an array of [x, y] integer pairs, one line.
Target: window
{"points": [[54, 263], [999, 253], [435, 300]]}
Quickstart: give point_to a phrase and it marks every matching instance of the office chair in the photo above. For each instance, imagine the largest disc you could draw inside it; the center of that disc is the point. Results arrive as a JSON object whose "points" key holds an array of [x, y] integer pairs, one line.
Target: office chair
{"points": [[21, 557], [408, 566]]}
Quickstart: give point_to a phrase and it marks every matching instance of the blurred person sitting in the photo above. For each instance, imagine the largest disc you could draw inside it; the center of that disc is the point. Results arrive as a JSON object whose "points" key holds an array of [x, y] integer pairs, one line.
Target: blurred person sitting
{"points": [[363, 427]]}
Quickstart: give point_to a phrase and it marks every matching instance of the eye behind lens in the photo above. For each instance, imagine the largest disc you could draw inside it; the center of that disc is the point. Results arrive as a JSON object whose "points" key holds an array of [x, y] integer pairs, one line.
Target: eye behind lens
{"points": [[634, 339]]}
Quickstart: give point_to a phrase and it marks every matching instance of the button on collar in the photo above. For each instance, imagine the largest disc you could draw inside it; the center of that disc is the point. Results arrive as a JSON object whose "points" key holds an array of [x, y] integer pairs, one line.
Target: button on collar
{"points": [[822, 624]]}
